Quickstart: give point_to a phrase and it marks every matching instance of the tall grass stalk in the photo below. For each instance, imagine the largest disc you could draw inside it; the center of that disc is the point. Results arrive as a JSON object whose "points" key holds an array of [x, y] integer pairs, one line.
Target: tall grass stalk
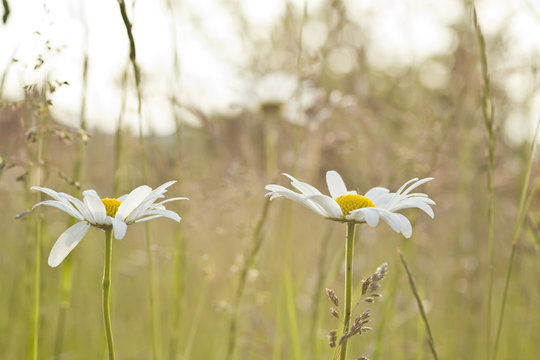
{"points": [[290, 301], [523, 208], [33, 353], [136, 72], [201, 303], [487, 109], [178, 253], [431, 341], [78, 166], [106, 287], [278, 337], [317, 296], [249, 261]]}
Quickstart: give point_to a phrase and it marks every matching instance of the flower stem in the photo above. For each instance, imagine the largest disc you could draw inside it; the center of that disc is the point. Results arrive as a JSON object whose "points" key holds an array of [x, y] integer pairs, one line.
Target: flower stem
{"points": [[349, 250], [107, 292]]}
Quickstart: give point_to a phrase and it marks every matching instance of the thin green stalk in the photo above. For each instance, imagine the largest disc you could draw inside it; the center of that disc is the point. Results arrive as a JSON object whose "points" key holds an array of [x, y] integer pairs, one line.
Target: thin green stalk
{"points": [[255, 245], [67, 270], [201, 304], [291, 315], [349, 252], [412, 282], [487, 109], [34, 336], [178, 254], [106, 287], [65, 299], [137, 74], [524, 203], [153, 308], [315, 316], [387, 308], [278, 338]]}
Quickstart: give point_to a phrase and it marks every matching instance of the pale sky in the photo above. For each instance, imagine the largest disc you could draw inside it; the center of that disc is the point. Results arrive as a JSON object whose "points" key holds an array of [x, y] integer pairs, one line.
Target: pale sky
{"points": [[214, 55]]}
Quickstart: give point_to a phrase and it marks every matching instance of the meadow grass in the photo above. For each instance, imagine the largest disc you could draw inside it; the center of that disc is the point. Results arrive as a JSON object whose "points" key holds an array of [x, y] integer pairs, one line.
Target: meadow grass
{"points": [[271, 305]]}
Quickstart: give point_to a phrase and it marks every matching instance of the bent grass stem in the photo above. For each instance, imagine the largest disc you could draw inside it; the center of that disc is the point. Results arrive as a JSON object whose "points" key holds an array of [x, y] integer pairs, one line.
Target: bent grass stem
{"points": [[431, 341]]}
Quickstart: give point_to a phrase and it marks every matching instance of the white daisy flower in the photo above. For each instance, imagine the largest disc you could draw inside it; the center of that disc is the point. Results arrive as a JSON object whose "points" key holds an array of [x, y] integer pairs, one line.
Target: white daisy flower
{"points": [[347, 206], [139, 205]]}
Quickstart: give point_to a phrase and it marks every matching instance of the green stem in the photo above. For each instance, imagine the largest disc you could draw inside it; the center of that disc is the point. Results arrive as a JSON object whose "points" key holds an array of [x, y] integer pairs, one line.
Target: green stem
{"points": [[107, 292], [255, 245], [431, 341], [152, 294], [349, 250], [487, 109], [33, 354], [523, 208]]}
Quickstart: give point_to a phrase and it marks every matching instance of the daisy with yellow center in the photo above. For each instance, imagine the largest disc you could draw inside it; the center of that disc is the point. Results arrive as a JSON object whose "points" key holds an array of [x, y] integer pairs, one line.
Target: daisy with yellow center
{"points": [[347, 206], [108, 213]]}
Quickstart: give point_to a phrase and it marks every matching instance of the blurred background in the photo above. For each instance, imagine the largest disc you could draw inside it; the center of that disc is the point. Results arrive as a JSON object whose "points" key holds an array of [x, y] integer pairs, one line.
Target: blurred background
{"points": [[226, 95]]}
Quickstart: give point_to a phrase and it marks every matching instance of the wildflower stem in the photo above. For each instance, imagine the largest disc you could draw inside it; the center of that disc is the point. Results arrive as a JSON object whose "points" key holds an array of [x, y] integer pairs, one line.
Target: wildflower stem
{"points": [[107, 292], [431, 342], [349, 250]]}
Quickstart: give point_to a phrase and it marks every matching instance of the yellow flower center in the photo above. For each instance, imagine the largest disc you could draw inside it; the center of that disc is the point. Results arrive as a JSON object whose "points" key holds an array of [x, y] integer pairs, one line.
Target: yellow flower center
{"points": [[111, 205], [351, 202]]}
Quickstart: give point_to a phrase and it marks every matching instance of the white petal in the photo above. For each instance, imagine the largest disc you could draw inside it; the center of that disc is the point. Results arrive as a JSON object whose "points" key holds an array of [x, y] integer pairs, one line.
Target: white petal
{"points": [[376, 192], [411, 203], [62, 206], [405, 185], [417, 184], [134, 199], [47, 191], [119, 228], [95, 205], [406, 227], [328, 204], [160, 213], [371, 215], [67, 242], [303, 187], [296, 197], [383, 200], [172, 199], [335, 183], [148, 201], [392, 219], [80, 206]]}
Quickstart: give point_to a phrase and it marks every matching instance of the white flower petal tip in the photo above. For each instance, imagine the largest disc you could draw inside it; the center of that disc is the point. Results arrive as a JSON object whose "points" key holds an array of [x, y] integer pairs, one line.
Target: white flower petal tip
{"points": [[335, 183], [67, 242], [377, 203]]}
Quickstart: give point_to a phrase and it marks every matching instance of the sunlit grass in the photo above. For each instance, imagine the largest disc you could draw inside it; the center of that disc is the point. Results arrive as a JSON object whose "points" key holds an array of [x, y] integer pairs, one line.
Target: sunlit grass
{"points": [[217, 290]]}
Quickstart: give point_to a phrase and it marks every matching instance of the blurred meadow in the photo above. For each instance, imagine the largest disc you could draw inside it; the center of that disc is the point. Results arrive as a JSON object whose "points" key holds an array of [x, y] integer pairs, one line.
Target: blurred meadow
{"points": [[225, 96]]}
